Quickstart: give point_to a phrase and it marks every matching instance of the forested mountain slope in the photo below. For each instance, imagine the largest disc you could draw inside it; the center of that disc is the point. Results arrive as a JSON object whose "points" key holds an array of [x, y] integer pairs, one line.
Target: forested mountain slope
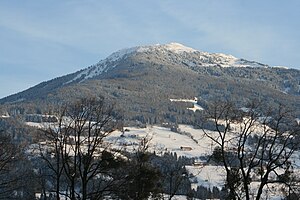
{"points": [[142, 80]]}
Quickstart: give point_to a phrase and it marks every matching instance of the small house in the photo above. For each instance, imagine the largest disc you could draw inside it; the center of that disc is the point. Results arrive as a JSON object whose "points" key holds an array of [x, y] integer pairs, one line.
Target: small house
{"points": [[186, 148]]}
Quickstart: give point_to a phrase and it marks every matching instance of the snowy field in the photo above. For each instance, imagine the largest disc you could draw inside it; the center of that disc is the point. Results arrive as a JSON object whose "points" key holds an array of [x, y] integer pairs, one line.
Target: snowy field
{"points": [[196, 145], [186, 141]]}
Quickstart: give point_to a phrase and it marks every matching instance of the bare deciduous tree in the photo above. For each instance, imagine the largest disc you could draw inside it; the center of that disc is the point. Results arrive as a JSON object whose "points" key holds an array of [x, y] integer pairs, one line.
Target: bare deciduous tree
{"points": [[12, 169], [255, 145], [78, 155]]}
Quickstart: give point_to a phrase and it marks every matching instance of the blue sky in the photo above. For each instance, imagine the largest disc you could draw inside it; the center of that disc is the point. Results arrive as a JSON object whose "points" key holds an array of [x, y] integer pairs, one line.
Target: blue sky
{"points": [[41, 40]]}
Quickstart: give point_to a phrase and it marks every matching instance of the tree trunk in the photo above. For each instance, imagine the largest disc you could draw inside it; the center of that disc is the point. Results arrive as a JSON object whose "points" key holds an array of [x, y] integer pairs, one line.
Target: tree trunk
{"points": [[57, 189], [261, 186], [84, 190]]}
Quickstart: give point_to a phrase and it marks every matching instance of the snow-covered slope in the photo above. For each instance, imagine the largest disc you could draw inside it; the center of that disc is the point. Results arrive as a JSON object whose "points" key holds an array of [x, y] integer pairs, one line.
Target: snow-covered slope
{"points": [[174, 52], [192, 143], [186, 141]]}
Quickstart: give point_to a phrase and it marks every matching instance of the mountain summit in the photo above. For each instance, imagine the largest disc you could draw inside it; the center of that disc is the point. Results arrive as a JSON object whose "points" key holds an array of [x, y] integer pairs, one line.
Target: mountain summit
{"points": [[143, 79], [174, 53]]}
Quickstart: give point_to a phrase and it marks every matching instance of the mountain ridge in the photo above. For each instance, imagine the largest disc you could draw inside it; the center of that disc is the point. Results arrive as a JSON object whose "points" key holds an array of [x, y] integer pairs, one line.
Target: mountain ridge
{"points": [[222, 60]]}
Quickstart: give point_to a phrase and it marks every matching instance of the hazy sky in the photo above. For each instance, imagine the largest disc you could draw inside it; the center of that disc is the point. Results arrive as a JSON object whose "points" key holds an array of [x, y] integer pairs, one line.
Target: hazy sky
{"points": [[40, 40]]}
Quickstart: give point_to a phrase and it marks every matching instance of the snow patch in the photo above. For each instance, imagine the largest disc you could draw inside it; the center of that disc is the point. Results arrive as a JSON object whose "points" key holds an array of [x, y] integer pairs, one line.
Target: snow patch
{"points": [[92, 72], [194, 101], [287, 89], [281, 67], [178, 48], [206, 178], [123, 52], [173, 46], [298, 121], [6, 115]]}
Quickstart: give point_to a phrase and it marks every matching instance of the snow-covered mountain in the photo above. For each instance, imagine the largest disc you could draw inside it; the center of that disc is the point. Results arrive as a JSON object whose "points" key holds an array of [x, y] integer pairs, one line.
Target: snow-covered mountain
{"points": [[142, 79]]}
